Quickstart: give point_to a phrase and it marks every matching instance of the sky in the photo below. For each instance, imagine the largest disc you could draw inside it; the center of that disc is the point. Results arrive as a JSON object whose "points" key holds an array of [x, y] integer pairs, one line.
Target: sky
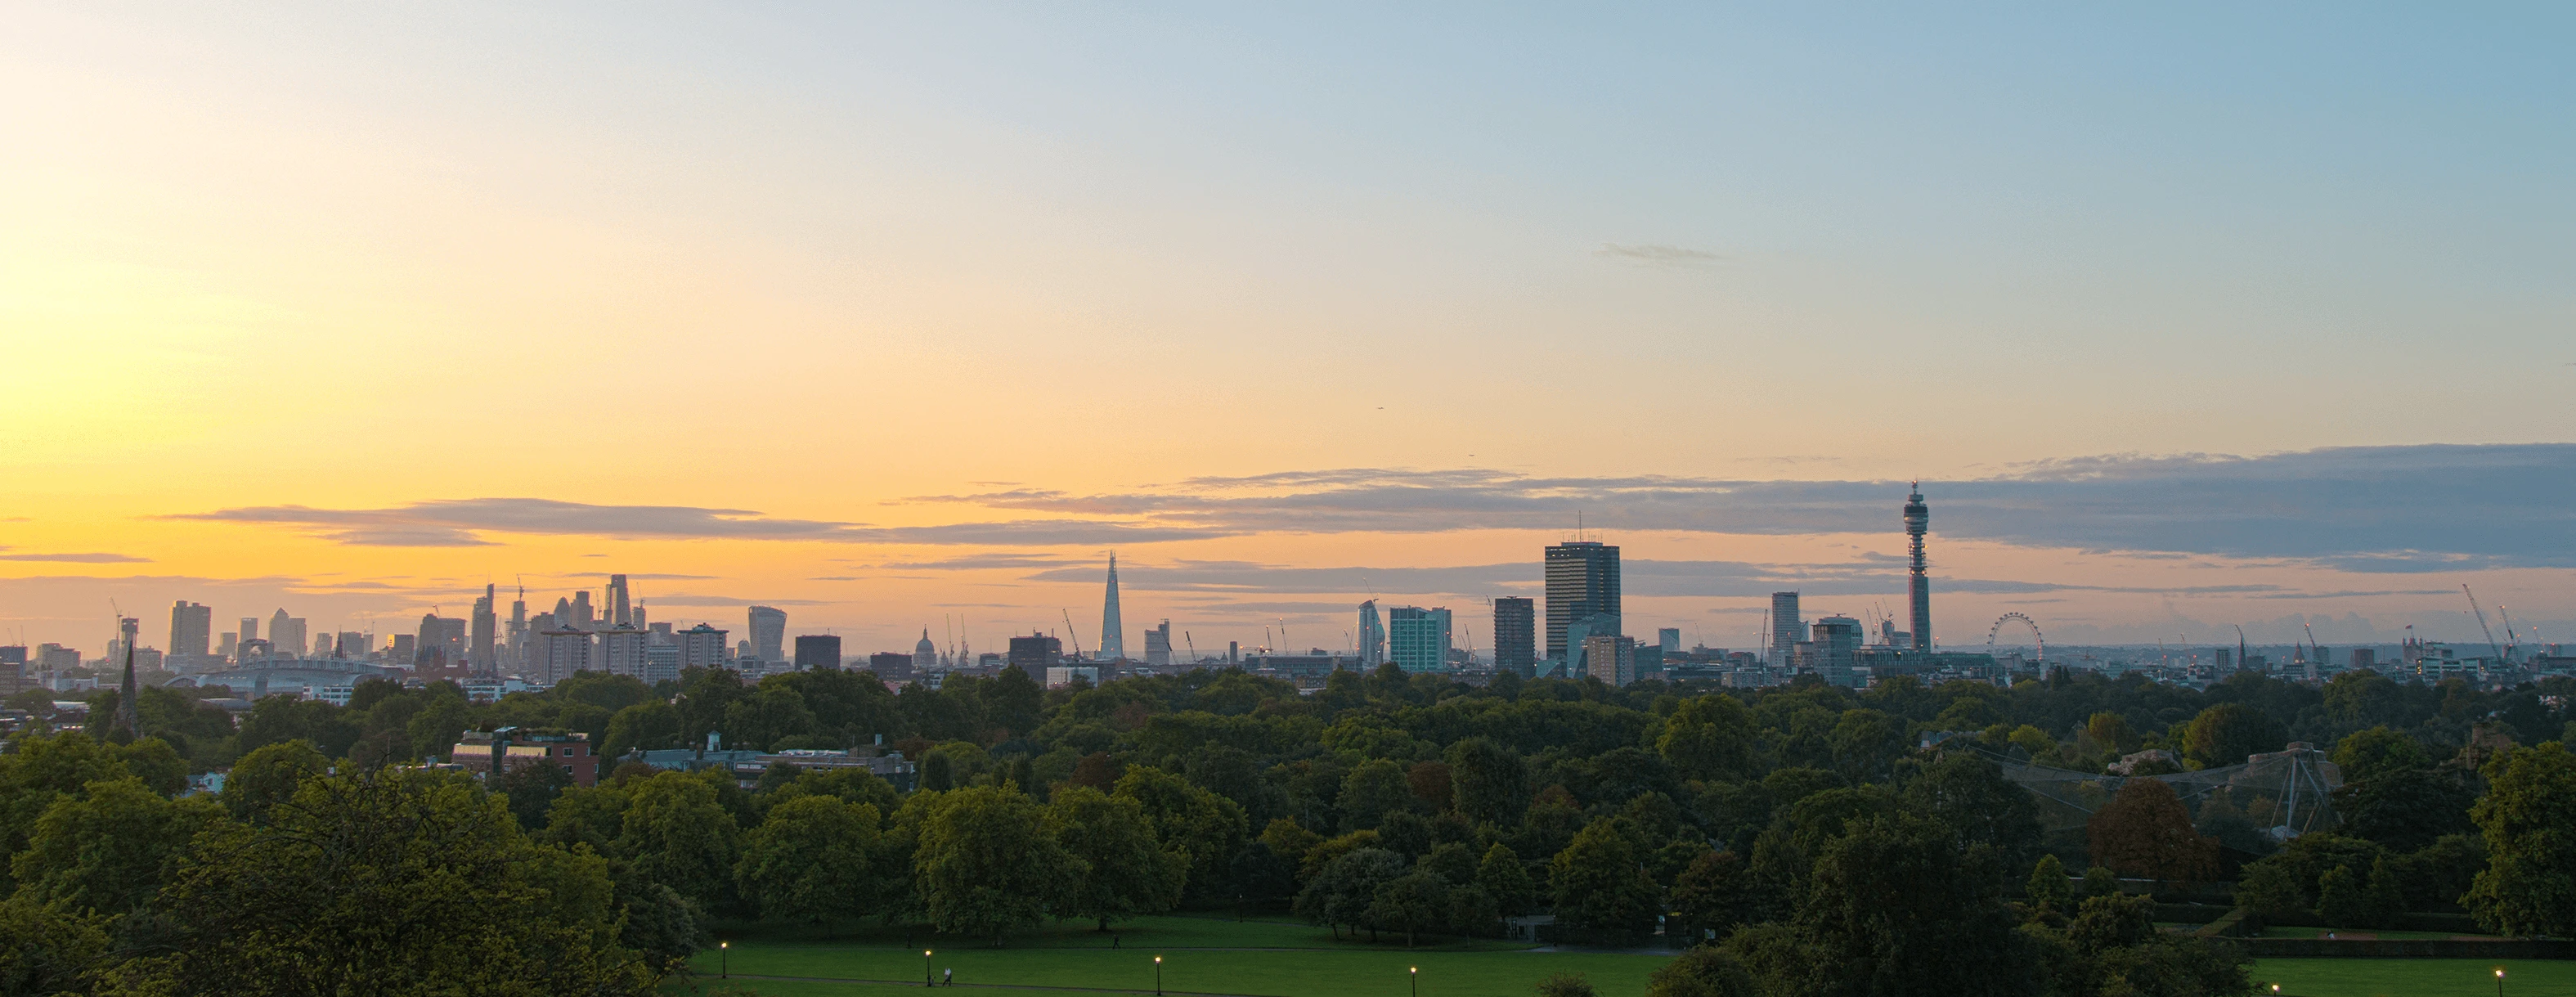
{"points": [[2188, 316]]}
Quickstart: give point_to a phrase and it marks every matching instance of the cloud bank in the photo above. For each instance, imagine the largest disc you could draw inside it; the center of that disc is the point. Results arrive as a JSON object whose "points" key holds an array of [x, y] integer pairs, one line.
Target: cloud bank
{"points": [[2364, 509]]}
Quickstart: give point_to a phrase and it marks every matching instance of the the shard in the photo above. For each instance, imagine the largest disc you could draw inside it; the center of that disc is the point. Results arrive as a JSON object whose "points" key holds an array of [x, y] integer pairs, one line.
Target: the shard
{"points": [[1113, 642]]}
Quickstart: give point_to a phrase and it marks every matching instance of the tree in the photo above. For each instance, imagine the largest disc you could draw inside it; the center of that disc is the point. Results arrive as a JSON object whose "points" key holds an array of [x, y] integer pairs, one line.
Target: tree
{"points": [[48, 948], [1713, 896], [531, 790], [2404, 808], [1489, 782], [2368, 754], [1709, 737], [2224, 734], [2529, 886], [1190, 820], [1564, 985], [1500, 875], [104, 852], [1599, 887], [1126, 871], [2145, 831], [1865, 741], [1702, 971], [1375, 787], [412, 882], [1342, 892], [1410, 903], [2049, 889], [985, 862], [1972, 796], [648, 726], [811, 859], [1895, 908], [270, 775], [676, 834], [768, 715]]}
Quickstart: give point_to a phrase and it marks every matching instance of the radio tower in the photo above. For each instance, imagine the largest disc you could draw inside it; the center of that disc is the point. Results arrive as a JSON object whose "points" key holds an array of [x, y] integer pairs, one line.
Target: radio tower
{"points": [[1918, 518]]}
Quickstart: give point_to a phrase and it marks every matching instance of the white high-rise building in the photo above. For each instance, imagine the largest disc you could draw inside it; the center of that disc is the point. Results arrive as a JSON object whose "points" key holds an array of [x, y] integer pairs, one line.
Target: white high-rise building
{"points": [[702, 646]]}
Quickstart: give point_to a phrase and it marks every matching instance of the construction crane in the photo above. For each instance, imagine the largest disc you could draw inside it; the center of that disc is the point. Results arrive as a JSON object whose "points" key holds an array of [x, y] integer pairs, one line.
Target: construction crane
{"points": [[2482, 623], [2316, 655], [1068, 631], [2512, 640], [1194, 646]]}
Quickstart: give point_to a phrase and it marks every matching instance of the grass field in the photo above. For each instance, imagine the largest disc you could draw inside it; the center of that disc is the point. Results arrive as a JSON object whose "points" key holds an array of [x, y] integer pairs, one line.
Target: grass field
{"points": [[2415, 977], [1273, 958], [1200, 955]]}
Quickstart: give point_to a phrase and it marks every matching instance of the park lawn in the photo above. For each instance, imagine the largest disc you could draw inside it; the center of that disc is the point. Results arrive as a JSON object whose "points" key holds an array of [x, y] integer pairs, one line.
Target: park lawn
{"points": [[2277, 931], [2415, 977], [1272, 959]]}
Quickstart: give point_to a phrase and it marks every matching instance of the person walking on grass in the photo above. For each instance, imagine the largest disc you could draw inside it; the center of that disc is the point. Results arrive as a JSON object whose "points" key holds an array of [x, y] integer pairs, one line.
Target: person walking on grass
{"points": [[948, 977]]}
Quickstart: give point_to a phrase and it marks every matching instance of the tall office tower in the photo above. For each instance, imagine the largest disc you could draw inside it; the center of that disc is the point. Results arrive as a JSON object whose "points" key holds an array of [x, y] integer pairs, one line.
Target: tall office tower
{"points": [[13, 668], [1515, 635], [769, 633], [1033, 654], [350, 644], [1417, 639], [2224, 661], [1582, 581], [129, 719], [1918, 517], [621, 612], [1158, 644], [702, 646], [405, 648], [191, 625], [482, 631], [225, 643], [286, 634], [2364, 657], [1669, 640], [249, 628], [451, 638], [817, 651], [1785, 628], [1372, 636], [425, 650], [1113, 631], [582, 615]]}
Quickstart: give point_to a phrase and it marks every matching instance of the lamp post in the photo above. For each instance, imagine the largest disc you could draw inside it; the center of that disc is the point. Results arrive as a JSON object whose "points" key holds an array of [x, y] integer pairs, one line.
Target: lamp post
{"points": [[724, 953], [925, 967], [2499, 981], [1158, 976], [1414, 973]]}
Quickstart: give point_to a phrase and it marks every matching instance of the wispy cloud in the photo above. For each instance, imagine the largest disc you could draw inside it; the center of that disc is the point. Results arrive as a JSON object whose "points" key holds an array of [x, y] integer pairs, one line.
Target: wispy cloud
{"points": [[79, 558], [2363, 509], [462, 523], [697, 599], [1653, 254]]}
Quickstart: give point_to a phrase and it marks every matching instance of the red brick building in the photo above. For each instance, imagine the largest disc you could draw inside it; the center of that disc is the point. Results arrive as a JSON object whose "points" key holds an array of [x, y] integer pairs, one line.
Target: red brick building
{"points": [[489, 752]]}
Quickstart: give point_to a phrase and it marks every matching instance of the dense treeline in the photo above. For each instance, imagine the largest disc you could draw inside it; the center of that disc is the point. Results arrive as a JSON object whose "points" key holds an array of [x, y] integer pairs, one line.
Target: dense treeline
{"points": [[1801, 827]]}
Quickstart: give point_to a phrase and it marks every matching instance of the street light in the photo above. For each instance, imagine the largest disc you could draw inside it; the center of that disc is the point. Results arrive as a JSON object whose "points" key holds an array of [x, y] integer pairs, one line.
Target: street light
{"points": [[2499, 981], [1158, 976], [925, 967], [724, 951], [1414, 973]]}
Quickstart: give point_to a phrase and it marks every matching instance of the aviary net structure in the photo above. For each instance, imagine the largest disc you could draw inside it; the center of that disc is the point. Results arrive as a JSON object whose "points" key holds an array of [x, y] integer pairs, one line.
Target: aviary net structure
{"points": [[2289, 792]]}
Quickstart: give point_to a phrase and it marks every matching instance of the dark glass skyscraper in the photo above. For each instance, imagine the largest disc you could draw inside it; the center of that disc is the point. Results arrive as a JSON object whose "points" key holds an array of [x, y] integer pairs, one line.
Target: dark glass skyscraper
{"points": [[1515, 635], [1582, 581]]}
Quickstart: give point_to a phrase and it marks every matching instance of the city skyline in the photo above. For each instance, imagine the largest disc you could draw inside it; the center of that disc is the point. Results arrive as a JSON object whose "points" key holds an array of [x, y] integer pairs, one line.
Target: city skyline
{"points": [[359, 311]]}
